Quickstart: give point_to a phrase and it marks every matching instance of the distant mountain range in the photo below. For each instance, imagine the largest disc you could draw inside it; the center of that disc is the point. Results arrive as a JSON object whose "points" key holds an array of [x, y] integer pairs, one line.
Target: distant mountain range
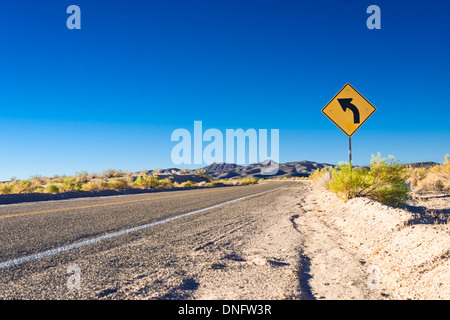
{"points": [[287, 169]]}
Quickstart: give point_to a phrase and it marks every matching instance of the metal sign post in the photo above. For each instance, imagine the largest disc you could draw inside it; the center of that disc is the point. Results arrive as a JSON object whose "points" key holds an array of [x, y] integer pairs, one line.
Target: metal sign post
{"points": [[350, 151]]}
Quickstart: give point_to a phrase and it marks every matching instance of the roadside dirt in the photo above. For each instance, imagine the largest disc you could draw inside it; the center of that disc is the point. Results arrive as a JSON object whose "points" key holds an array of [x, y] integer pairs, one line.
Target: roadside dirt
{"points": [[293, 255], [405, 252]]}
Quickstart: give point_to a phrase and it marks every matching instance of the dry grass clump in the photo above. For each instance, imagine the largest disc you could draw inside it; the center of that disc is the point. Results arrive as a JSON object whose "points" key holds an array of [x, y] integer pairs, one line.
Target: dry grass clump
{"points": [[165, 183], [188, 184], [321, 178], [95, 185], [293, 178], [118, 184], [114, 173], [434, 179], [248, 181]]}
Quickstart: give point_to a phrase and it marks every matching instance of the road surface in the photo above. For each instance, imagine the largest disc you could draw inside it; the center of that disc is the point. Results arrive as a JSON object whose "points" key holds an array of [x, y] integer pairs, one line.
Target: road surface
{"points": [[229, 242]]}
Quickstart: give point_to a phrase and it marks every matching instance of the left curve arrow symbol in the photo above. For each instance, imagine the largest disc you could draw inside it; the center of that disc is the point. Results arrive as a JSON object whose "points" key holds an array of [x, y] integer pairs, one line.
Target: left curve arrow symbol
{"points": [[346, 104]]}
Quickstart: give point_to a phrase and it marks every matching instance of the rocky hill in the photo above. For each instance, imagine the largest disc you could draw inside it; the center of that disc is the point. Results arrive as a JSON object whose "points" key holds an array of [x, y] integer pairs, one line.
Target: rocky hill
{"points": [[288, 169]]}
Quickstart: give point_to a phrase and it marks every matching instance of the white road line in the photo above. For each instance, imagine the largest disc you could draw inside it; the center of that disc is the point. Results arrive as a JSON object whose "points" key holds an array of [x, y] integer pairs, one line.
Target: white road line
{"points": [[69, 247]]}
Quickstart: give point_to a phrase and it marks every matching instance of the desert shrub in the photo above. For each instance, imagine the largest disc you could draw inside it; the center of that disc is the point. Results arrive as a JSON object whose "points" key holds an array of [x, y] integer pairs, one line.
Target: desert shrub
{"points": [[22, 186], [349, 182], [146, 181], [5, 188], [114, 173], [219, 183], [52, 188], [71, 184], [38, 179], [188, 184], [318, 173], [95, 185], [82, 176], [118, 184], [247, 181], [437, 178], [385, 181], [321, 178], [203, 175], [415, 175], [165, 183]]}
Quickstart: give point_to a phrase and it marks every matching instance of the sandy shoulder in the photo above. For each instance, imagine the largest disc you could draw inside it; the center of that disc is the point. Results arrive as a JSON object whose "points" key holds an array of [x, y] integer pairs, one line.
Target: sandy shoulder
{"points": [[405, 256]]}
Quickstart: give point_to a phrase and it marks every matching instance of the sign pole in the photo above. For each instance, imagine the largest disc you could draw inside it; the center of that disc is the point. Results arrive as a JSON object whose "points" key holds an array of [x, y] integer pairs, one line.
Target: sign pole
{"points": [[350, 150]]}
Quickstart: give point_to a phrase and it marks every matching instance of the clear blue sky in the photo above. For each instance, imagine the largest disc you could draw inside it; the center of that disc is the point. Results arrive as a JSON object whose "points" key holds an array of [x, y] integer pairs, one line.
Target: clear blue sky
{"points": [[110, 95]]}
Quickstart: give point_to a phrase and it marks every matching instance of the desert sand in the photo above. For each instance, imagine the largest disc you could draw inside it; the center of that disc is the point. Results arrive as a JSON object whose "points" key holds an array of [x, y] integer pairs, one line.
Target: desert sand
{"points": [[405, 251]]}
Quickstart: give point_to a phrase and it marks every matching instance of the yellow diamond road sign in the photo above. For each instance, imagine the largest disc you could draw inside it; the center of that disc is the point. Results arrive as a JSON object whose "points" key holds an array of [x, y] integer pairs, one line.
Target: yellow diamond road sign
{"points": [[348, 110]]}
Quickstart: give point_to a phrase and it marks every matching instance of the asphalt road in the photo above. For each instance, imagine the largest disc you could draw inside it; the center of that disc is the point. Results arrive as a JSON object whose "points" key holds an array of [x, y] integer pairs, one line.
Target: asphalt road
{"points": [[30, 229]]}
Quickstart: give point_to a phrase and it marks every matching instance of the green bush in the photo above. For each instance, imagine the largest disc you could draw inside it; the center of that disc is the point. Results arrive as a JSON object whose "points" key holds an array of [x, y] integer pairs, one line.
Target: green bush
{"points": [[71, 184], [53, 188], [147, 181], [384, 181]]}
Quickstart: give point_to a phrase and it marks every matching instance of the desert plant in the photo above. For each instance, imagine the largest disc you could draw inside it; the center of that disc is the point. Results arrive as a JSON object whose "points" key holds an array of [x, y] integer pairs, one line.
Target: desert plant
{"points": [[95, 185], [165, 183], [203, 175], [415, 175], [118, 184], [71, 184], [52, 188], [385, 181], [188, 184], [434, 179], [321, 178], [82, 176], [349, 182], [114, 173], [247, 181], [146, 181], [5, 188], [22, 186]]}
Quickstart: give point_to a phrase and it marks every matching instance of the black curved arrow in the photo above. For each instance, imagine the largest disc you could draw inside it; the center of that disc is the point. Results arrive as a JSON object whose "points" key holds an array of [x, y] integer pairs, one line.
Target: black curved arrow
{"points": [[346, 103]]}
